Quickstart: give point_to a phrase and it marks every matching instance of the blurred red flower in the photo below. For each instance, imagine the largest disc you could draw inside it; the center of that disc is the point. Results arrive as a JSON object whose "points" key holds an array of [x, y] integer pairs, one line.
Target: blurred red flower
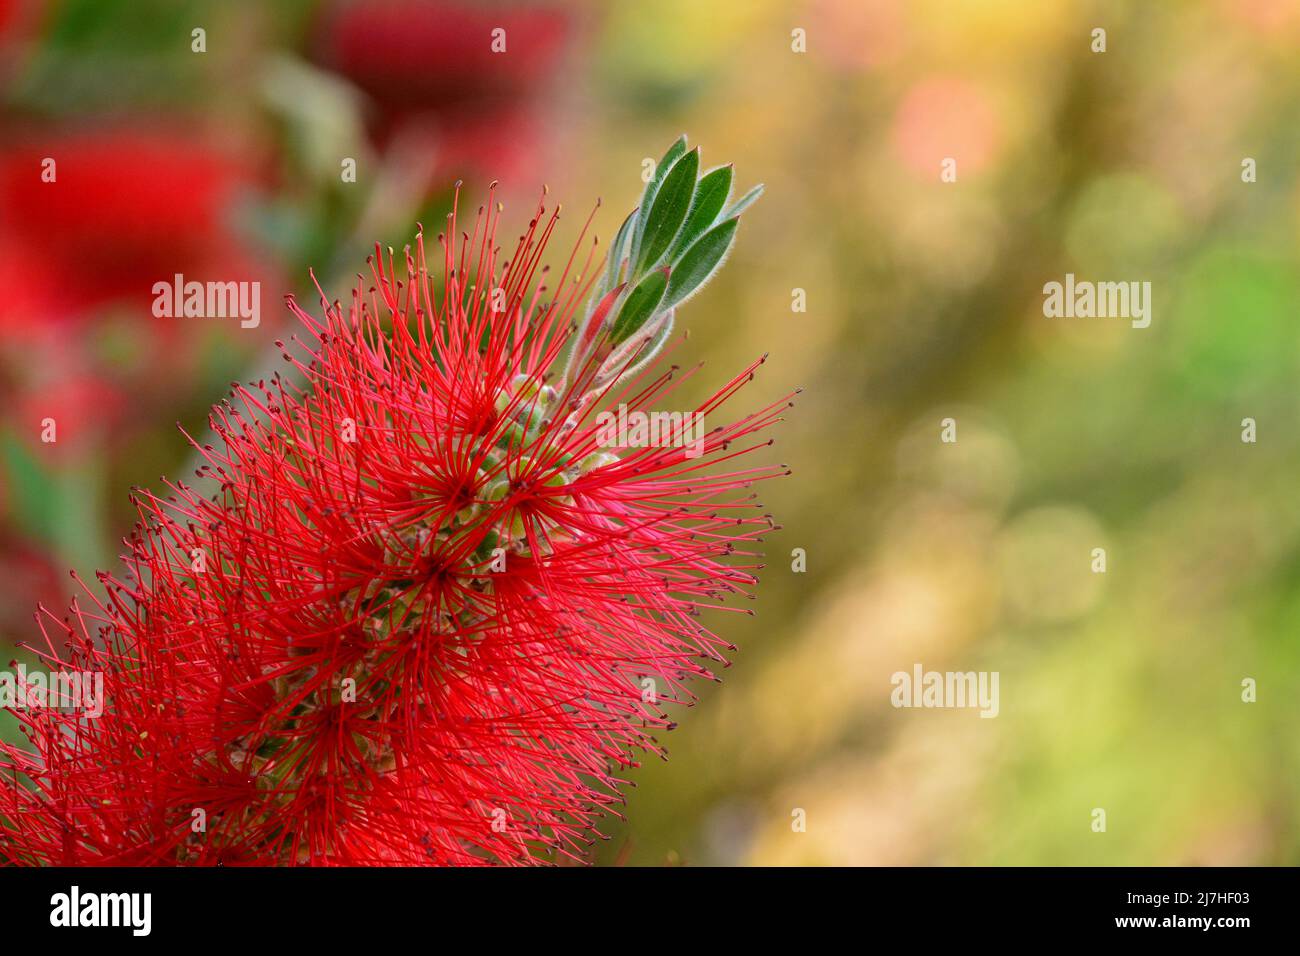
{"points": [[89, 222], [17, 18], [30, 571], [429, 67], [125, 209]]}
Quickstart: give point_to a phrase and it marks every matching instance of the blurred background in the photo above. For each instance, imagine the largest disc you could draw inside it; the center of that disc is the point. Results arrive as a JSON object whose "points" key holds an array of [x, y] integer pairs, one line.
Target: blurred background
{"points": [[1119, 690]]}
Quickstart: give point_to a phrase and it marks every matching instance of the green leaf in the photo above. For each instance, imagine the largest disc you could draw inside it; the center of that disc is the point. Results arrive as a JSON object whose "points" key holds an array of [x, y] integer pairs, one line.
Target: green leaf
{"points": [[744, 202], [669, 209], [711, 195], [656, 343], [641, 303], [670, 159], [675, 152], [700, 262], [616, 251], [648, 350]]}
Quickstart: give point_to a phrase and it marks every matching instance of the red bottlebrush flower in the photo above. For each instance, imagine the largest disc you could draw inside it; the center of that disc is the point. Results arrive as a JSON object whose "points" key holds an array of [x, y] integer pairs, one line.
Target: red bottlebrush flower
{"points": [[432, 614]]}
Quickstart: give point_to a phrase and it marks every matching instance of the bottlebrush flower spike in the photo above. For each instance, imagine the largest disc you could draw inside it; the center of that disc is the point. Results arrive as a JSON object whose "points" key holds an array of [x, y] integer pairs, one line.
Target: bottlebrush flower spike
{"points": [[429, 617]]}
